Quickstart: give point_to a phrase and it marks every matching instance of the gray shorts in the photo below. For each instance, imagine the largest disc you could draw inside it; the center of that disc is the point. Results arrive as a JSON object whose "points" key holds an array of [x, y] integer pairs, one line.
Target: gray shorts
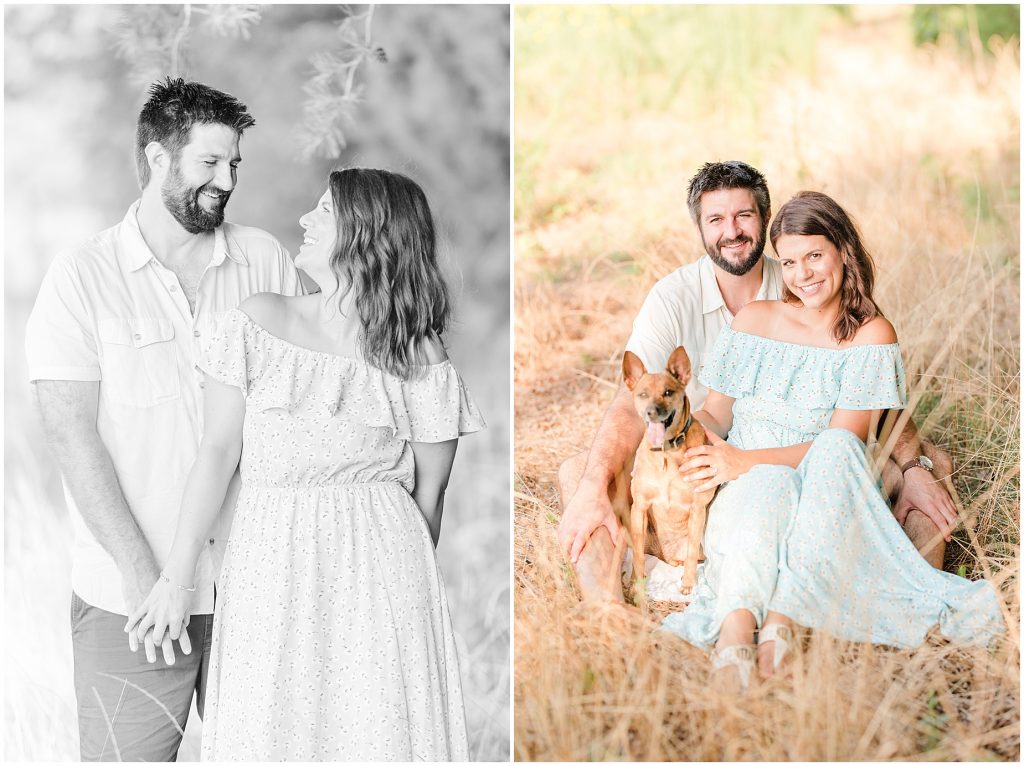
{"points": [[128, 709]]}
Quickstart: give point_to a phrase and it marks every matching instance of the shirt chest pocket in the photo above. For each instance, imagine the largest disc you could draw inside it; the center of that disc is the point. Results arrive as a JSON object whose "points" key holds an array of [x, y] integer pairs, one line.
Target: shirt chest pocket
{"points": [[139, 364]]}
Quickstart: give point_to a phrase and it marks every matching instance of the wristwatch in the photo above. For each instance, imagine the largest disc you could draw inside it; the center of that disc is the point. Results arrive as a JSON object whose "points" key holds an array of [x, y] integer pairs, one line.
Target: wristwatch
{"points": [[921, 461]]}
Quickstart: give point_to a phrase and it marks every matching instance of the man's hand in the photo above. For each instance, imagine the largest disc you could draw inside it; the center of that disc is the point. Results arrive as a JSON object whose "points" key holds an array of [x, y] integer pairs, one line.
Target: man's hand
{"points": [[589, 509], [922, 492], [135, 589]]}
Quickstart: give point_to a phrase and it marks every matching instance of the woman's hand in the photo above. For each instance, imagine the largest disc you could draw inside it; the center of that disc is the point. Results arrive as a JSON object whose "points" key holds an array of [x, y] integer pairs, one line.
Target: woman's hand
{"points": [[165, 608], [713, 464]]}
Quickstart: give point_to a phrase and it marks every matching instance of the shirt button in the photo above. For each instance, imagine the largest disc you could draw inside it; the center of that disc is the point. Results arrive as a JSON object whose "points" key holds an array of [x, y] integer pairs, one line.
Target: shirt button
{"points": [[174, 288], [211, 541], [138, 336], [195, 333], [202, 384]]}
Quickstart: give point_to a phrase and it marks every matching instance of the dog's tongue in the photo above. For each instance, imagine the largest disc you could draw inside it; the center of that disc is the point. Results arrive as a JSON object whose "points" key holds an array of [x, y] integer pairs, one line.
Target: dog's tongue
{"points": [[656, 434]]}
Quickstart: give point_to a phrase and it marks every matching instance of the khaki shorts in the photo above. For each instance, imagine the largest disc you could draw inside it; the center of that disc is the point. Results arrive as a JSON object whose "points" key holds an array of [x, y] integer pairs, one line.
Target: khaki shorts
{"points": [[129, 709]]}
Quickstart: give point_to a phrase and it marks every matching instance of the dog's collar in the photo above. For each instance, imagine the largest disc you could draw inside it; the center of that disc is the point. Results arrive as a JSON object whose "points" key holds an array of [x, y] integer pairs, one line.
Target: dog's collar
{"points": [[679, 438]]}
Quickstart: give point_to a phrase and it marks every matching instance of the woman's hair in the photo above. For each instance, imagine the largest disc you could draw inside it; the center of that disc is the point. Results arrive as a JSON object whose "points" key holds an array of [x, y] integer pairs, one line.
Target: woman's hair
{"points": [[386, 253], [810, 213]]}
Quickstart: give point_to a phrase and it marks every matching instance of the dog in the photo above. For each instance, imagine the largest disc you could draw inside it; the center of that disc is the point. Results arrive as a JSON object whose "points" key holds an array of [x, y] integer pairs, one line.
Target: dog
{"points": [[667, 516]]}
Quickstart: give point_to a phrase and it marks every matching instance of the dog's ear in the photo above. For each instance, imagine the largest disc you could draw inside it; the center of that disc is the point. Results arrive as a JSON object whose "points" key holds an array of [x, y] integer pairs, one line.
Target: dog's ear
{"points": [[632, 369], [679, 365]]}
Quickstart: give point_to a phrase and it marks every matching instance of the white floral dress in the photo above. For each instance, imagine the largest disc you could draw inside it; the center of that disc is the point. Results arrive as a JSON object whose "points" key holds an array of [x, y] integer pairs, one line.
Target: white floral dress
{"points": [[332, 638], [818, 543]]}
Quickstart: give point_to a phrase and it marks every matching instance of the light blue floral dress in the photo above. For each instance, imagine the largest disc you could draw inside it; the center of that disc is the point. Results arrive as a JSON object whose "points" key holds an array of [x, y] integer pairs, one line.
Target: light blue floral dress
{"points": [[818, 543]]}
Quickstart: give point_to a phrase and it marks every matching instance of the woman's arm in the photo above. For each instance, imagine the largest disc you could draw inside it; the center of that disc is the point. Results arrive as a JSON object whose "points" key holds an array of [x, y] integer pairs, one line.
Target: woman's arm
{"points": [[219, 451], [433, 467], [717, 413], [719, 461]]}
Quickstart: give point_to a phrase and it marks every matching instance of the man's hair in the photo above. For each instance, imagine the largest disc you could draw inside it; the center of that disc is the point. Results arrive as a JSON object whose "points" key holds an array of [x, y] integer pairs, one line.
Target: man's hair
{"points": [[174, 106], [728, 175], [812, 213]]}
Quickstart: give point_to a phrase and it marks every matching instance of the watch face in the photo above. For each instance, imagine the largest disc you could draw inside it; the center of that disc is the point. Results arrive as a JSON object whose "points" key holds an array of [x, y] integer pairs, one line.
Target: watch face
{"points": [[925, 462]]}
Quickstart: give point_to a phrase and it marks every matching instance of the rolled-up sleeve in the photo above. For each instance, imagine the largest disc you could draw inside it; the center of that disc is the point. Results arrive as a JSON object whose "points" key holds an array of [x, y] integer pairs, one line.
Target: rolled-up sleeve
{"points": [[60, 341]]}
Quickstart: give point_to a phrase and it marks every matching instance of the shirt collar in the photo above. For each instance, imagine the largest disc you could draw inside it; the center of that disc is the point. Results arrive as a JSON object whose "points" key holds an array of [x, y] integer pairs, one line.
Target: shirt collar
{"points": [[134, 253], [711, 294]]}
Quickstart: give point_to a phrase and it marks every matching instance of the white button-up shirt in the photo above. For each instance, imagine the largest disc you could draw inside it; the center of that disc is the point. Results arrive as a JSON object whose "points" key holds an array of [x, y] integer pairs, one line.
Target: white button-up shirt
{"points": [[109, 311], [686, 309]]}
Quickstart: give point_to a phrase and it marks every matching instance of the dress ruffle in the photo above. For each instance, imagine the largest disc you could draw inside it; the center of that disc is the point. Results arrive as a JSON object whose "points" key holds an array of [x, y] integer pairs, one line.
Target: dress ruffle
{"points": [[741, 364], [434, 406]]}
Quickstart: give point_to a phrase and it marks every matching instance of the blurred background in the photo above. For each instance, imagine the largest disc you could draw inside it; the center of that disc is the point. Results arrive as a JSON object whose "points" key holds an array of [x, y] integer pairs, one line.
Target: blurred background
{"points": [[909, 116], [421, 90]]}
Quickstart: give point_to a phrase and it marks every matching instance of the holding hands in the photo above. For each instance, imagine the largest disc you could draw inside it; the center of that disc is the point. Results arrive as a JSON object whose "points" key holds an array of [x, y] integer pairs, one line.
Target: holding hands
{"points": [[715, 463], [166, 610]]}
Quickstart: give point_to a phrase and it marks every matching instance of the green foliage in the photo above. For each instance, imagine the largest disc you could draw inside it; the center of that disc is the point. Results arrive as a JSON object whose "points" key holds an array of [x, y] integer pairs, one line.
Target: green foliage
{"points": [[966, 24], [933, 724]]}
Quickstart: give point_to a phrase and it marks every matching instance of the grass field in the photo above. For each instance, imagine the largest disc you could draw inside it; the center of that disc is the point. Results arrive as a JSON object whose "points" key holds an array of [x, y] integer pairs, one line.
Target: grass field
{"points": [[615, 109]]}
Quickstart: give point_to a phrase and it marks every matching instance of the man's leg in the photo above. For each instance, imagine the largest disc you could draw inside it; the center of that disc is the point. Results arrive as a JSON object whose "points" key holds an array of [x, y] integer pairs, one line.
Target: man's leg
{"points": [[921, 530], [129, 709], [597, 559]]}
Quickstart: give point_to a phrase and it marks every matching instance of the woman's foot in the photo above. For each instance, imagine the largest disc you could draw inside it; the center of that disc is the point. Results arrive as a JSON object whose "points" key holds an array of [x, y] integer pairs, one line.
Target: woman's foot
{"points": [[732, 662], [775, 644], [732, 667]]}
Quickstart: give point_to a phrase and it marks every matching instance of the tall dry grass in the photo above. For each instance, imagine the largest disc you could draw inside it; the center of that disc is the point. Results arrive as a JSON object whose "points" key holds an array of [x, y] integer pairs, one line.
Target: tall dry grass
{"points": [[922, 148]]}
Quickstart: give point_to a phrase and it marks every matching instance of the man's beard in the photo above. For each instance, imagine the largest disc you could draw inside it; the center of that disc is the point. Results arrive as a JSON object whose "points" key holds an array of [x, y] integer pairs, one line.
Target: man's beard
{"points": [[182, 202], [737, 269]]}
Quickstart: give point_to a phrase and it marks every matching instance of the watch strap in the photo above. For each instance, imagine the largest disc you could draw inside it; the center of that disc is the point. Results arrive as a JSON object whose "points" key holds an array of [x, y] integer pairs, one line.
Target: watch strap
{"points": [[915, 463]]}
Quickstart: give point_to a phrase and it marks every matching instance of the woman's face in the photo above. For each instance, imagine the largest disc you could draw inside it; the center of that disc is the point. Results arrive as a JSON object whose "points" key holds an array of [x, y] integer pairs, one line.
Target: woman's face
{"points": [[812, 269], [321, 235]]}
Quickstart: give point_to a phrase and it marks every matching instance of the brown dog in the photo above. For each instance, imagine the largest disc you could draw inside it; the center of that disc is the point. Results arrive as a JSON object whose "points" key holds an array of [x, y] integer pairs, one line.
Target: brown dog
{"points": [[664, 502]]}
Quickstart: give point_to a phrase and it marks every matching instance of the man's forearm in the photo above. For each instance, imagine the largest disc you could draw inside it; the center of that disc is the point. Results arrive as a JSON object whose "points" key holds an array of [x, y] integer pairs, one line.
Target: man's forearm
{"points": [[89, 473], [68, 413], [907, 446], [616, 440]]}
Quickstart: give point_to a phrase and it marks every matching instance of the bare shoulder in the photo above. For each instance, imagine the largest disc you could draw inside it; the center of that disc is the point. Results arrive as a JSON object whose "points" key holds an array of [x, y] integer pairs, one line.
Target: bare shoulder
{"points": [[431, 351], [266, 309], [752, 316], [876, 331]]}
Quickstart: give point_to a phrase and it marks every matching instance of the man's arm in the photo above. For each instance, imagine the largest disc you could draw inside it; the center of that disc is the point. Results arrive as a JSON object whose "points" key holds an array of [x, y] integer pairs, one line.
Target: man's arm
{"points": [[919, 489], [68, 410], [616, 440]]}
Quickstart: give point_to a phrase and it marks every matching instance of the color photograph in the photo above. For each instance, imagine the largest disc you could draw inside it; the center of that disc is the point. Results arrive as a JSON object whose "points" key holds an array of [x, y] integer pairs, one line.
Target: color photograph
{"points": [[767, 391]]}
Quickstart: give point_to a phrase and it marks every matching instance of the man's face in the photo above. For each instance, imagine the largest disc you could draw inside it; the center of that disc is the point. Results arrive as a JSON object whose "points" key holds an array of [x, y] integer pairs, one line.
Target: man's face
{"points": [[732, 229], [201, 178]]}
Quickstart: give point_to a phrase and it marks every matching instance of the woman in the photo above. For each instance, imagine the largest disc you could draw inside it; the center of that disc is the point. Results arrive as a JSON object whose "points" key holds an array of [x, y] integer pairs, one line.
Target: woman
{"points": [[799, 531], [332, 639]]}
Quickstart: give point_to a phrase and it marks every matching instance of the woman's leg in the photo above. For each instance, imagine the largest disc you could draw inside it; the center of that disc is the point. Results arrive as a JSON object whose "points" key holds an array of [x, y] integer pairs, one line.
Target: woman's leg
{"points": [[746, 522]]}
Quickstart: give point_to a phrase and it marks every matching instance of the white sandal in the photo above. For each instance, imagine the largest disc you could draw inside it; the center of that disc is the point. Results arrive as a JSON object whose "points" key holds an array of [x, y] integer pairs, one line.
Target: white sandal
{"points": [[740, 656], [782, 635]]}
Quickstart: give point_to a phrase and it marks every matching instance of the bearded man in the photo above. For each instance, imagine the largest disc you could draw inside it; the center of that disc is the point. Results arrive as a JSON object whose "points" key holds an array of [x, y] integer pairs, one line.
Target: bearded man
{"points": [[111, 344], [730, 204]]}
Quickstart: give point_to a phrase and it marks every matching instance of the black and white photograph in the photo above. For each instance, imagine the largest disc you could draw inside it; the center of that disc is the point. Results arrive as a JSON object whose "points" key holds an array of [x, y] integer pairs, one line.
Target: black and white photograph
{"points": [[257, 376]]}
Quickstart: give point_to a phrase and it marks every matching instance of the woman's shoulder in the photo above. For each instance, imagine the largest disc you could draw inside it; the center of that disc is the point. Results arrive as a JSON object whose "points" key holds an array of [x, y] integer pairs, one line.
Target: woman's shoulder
{"points": [[877, 331], [752, 316], [270, 310]]}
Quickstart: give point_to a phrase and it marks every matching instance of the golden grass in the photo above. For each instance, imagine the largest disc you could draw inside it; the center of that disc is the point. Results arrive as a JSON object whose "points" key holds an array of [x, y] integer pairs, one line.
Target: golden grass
{"points": [[923, 150]]}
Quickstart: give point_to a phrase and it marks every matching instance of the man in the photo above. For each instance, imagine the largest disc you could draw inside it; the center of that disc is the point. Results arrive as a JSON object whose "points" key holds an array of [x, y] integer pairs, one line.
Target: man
{"points": [[111, 342], [730, 204]]}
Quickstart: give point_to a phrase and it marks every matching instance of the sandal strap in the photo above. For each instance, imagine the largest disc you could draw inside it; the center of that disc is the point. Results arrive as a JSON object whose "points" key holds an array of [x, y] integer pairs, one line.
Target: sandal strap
{"points": [[740, 657], [782, 635]]}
